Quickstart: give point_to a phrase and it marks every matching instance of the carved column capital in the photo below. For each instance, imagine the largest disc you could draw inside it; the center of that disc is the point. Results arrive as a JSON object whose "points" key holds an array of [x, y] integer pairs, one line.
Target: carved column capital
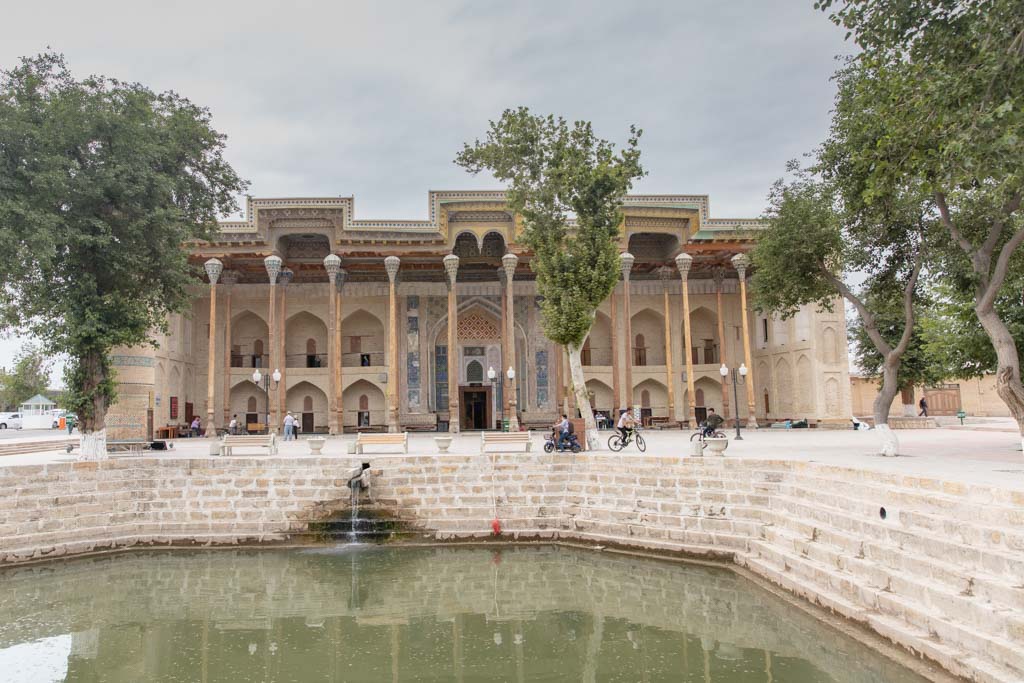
{"points": [[391, 264], [451, 268], [332, 264], [741, 262], [213, 270], [273, 265], [683, 263], [509, 263], [626, 264]]}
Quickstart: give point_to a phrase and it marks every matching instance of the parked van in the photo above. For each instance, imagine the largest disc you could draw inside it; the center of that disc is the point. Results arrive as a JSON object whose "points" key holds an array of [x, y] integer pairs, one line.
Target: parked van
{"points": [[10, 420]]}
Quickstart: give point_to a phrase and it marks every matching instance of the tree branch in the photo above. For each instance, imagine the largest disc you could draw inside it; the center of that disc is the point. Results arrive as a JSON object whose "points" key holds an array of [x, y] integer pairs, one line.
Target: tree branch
{"points": [[870, 327], [993, 284], [908, 305], [1011, 205], [940, 201]]}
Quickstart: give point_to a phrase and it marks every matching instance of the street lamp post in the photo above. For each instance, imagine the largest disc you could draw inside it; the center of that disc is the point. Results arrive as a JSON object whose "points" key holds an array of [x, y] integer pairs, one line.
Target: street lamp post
{"points": [[493, 377], [739, 376], [261, 380], [513, 400]]}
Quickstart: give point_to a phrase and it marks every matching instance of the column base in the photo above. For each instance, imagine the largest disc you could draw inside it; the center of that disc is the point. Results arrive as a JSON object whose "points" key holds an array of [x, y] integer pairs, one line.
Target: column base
{"points": [[751, 422]]}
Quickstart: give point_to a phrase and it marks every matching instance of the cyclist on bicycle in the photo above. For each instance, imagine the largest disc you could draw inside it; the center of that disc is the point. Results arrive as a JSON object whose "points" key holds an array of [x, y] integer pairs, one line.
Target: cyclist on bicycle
{"points": [[625, 425], [711, 423]]}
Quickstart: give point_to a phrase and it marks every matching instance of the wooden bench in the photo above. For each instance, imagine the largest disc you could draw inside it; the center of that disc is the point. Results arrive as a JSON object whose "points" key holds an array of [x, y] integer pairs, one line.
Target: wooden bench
{"points": [[267, 441], [132, 446], [370, 439], [505, 439]]}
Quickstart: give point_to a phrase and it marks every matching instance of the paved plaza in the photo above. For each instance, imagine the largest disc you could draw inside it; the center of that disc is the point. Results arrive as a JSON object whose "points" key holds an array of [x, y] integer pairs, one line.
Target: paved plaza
{"points": [[982, 452]]}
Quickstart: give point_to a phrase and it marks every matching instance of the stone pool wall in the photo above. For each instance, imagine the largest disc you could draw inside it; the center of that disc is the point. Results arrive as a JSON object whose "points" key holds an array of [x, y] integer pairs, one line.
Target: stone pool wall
{"points": [[942, 574]]}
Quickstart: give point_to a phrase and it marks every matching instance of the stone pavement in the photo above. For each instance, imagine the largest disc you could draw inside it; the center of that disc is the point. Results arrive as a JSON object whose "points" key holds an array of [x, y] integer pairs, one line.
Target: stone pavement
{"points": [[987, 453]]}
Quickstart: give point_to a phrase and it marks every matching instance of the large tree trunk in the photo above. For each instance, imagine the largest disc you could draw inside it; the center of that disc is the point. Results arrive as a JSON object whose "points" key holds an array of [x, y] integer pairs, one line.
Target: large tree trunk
{"points": [[92, 423], [579, 387], [1008, 384], [889, 444], [907, 398]]}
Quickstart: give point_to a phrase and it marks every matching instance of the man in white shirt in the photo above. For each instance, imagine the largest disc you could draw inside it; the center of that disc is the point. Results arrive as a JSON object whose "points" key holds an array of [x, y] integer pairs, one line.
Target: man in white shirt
{"points": [[289, 427], [625, 424], [233, 425]]}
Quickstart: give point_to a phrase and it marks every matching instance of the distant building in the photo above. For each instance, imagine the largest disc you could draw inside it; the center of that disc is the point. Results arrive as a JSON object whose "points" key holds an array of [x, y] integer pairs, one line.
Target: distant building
{"points": [[336, 346]]}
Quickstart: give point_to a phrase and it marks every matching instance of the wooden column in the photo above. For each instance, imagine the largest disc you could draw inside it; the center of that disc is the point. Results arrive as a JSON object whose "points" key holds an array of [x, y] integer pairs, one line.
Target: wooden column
{"points": [[741, 262], [282, 318], [229, 279], [273, 266], [213, 271], [666, 278], [509, 262], [683, 263], [451, 269], [332, 264], [339, 393], [506, 383], [626, 263], [620, 399], [391, 264], [719, 276]]}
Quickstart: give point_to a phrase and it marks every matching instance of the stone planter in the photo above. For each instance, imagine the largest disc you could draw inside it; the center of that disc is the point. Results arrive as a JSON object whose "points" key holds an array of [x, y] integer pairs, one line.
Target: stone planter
{"points": [[350, 447], [443, 443], [316, 444], [716, 446]]}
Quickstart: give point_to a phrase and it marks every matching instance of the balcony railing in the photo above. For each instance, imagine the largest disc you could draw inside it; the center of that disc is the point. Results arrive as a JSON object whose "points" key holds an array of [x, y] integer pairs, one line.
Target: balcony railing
{"points": [[596, 356], [362, 359], [249, 360], [306, 360]]}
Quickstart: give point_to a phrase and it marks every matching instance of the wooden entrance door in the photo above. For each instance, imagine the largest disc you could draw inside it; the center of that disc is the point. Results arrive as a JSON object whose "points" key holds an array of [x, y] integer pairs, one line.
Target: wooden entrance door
{"points": [[475, 403], [943, 399]]}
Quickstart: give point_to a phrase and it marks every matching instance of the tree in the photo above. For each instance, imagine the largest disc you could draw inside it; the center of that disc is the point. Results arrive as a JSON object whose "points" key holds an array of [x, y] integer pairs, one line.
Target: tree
{"points": [[917, 366], [29, 376], [941, 104], [955, 345], [817, 235], [101, 185], [555, 171]]}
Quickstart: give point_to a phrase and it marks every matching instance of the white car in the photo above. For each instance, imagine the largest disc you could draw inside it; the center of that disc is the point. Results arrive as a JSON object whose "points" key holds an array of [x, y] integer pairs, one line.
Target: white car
{"points": [[10, 420]]}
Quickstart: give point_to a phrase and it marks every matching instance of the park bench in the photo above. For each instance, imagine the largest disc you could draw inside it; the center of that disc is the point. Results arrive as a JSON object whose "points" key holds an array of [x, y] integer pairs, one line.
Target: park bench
{"points": [[505, 439], [267, 441], [370, 439]]}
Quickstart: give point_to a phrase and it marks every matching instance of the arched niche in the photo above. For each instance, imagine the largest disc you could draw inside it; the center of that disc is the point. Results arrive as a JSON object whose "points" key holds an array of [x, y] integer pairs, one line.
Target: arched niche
{"points": [[649, 328], [363, 341], [363, 406], [302, 332], [308, 394], [249, 341], [704, 342]]}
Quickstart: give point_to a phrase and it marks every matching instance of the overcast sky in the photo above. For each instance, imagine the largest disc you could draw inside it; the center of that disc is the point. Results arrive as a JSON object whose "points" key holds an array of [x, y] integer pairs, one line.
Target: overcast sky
{"points": [[374, 99]]}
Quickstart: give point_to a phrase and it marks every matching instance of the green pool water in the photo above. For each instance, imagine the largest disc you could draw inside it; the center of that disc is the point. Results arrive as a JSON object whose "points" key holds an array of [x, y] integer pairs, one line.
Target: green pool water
{"points": [[375, 613]]}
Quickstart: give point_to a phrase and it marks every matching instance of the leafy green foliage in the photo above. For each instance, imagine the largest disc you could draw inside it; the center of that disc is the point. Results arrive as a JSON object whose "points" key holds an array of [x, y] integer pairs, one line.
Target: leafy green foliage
{"points": [[885, 299], [29, 376], [795, 257], [556, 171], [955, 345], [102, 184]]}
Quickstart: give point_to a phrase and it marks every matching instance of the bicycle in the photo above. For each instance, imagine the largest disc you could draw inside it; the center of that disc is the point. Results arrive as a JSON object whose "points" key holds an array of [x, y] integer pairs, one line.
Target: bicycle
{"points": [[617, 443], [699, 434]]}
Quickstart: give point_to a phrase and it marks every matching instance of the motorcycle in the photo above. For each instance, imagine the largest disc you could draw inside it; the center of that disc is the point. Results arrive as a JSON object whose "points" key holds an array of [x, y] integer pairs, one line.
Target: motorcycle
{"points": [[572, 444]]}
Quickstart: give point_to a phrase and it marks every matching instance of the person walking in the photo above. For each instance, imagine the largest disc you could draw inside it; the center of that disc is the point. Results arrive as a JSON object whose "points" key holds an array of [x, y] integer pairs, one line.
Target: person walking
{"points": [[233, 425], [923, 405], [69, 420], [289, 427]]}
